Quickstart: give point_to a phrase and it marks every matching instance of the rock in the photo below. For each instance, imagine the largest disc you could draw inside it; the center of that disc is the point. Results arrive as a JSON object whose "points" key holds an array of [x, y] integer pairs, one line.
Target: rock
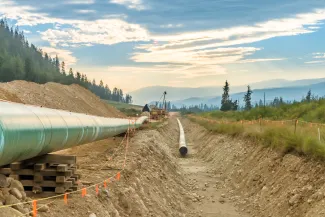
{"points": [[44, 208], [294, 199], [2, 197], [222, 200], [8, 211], [10, 199], [92, 215], [3, 181], [223, 195], [17, 184], [23, 193], [5, 191], [9, 180], [16, 193]]}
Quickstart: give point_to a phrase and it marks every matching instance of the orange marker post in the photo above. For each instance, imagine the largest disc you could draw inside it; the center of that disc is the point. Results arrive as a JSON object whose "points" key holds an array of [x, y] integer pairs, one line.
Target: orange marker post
{"points": [[65, 199], [83, 192], [34, 208], [97, 190], [105, 184], [118, 176]]}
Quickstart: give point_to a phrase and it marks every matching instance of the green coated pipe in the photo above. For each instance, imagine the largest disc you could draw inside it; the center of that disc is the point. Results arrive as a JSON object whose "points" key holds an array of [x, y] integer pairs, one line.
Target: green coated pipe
{"points": [[29, 131]]}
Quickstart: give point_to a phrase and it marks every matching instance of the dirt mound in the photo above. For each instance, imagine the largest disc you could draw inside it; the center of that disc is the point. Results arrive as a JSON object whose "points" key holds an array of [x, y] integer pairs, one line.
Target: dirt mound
{"points": [[151, 184], [259, 180], [72, 98]]}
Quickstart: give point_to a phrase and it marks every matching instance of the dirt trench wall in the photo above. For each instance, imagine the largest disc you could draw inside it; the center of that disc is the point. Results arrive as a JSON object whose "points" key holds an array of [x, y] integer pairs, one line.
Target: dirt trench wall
{"points": [[259, 180], [150, 185]]}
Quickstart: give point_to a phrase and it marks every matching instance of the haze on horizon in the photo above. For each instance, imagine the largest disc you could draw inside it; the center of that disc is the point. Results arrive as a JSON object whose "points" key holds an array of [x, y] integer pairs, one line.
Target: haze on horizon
{"points": [[138, 43]]}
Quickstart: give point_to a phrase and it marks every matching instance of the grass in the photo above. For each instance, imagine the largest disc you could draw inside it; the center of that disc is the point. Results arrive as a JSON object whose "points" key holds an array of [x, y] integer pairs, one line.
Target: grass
{"points": [[308, 111], [281, 137], [127, 109]]}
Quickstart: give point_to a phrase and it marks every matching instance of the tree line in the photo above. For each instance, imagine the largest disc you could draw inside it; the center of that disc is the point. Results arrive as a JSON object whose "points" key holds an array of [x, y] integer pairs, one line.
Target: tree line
{"points": [[20, 60]]}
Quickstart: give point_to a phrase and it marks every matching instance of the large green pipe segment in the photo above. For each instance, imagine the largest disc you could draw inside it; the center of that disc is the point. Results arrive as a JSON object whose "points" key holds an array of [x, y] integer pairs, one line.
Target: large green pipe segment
{"points": [[29, 131]]}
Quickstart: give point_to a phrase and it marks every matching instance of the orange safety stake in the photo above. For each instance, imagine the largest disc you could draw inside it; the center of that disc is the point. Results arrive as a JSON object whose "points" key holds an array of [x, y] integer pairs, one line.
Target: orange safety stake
{"points": [[34, 208], [118, 176], [83, 192], [97, 190], [65, 198], [105, 184]]}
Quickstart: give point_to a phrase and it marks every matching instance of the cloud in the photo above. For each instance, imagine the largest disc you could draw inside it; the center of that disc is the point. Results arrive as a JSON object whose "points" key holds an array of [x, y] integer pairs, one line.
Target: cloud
{"points": [[213, 46], [26, 31], [79, 2], [260, 60], [85, 11], [99, 32], [316, 61], [75, 33], [64, 55], [171, 26], [319, 55], [131, 4]]}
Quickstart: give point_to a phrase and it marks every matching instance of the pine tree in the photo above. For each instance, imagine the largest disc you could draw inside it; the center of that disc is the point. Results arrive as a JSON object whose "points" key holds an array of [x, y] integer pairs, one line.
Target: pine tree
{"points": [[63, 68], [225, 101], [57, 63], [71, 73], [248, 98], [29, 70], [308, 96]]}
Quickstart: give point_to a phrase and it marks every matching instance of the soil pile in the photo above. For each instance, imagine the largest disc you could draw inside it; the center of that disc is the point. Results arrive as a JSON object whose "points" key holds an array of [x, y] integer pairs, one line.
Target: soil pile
{"points": [[72, 98]]}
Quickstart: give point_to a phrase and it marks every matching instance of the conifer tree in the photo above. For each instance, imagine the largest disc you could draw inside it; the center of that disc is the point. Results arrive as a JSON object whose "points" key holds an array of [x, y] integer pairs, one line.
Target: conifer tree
{"points": [[248, 98]]}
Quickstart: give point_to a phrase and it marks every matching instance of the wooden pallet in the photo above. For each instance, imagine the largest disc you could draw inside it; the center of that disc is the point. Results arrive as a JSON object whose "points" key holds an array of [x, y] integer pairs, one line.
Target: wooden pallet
{"points": [[45, 175]]}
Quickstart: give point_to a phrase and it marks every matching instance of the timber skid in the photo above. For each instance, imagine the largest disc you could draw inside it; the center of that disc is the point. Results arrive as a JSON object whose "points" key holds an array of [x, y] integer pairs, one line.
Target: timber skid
{"points": [[46, 175]]}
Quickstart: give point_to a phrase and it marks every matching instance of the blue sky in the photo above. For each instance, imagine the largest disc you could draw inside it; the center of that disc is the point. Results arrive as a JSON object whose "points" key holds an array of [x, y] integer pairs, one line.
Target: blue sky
{"points": [[137, 43]]}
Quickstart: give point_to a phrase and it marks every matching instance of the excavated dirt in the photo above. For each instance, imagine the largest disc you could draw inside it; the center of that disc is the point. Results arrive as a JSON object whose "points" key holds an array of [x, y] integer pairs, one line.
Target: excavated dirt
{"points": [[72, 98], [258, 180]]}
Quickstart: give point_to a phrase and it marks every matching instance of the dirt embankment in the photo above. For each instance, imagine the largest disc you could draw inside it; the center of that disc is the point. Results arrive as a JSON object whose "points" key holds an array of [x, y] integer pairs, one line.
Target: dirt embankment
{"points": [[72, 98], [258, 180]]}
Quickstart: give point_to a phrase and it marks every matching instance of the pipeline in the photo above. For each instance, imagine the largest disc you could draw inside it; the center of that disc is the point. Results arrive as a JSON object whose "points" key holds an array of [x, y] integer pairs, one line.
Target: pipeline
{"points": [[182, 143], [28, 131]]}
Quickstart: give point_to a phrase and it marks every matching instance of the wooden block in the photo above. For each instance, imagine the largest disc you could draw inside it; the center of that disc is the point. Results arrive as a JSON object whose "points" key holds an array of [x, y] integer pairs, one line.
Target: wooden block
{"points": [[37, 189], [60, 190], [62, 168], [5, 171], [16, 165], [41, 194], [38, 178], [60, 179], [14, 176], [54, 158], [39, 166], [31, 183], [74, 188]]}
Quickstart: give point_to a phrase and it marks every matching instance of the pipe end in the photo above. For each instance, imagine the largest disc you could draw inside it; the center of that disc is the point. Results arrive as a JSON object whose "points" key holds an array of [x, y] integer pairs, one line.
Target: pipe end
{"points": [[183, 151]]}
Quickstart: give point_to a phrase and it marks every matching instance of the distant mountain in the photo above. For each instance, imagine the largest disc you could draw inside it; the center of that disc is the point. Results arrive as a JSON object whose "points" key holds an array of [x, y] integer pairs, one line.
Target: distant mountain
{"points": [[192, 95], [287, 93]]}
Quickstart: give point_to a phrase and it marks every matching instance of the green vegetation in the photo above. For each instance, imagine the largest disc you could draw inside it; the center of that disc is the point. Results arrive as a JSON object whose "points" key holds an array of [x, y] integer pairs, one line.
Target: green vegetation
{"points": [[20, 60], [312, 111], [226, 103], [283, 138]]}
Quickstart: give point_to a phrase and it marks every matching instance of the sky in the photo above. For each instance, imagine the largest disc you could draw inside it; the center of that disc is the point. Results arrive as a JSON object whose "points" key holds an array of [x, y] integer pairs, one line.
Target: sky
{"points": [[182, 43]]}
